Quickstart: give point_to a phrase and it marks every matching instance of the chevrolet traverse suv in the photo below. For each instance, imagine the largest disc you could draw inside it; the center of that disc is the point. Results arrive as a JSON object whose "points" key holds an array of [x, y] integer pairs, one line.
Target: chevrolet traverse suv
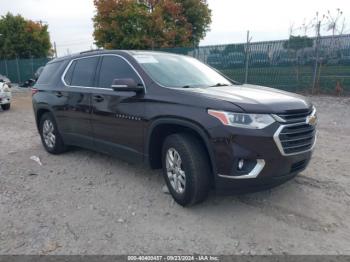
{"points": [[173, 112]]}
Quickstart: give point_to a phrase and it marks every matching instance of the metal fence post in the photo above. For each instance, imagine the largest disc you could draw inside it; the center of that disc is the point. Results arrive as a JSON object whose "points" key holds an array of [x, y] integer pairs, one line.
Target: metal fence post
{"points": [[18, 72], [317, 57], [247, 58], [6, 69], [32, 64]]}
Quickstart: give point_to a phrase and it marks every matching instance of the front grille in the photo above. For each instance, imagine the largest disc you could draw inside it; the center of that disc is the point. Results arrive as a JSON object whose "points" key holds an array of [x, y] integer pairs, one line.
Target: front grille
{"points": [[295, 116], [297, 138], [295, 135]]}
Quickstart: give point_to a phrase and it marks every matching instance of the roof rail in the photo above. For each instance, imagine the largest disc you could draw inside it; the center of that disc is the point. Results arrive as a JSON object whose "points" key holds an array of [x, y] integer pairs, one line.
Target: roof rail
{"points": [[90, 51]]}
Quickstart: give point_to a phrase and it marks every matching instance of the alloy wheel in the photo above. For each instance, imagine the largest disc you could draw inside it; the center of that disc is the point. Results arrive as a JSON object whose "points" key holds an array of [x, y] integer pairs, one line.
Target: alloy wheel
{"points": [[175, 172], [48, 133]]}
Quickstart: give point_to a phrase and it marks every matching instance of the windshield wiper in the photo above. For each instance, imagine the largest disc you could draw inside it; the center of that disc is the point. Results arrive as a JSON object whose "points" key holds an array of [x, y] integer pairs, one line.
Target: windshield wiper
{"points": [[187, 86], [219, 84]]}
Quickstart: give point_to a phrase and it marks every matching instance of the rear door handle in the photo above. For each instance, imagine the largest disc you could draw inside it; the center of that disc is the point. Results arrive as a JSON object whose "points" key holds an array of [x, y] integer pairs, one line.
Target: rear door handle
{"points": [[98, 98], [59, 94]]}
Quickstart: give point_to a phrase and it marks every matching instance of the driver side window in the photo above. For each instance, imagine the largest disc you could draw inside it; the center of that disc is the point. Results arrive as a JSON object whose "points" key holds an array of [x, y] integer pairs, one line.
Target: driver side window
{"points": [[113, 67]]}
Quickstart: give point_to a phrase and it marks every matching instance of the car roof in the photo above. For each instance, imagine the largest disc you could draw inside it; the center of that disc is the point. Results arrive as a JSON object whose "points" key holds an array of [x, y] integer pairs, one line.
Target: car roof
{"points": [[102, 51]]}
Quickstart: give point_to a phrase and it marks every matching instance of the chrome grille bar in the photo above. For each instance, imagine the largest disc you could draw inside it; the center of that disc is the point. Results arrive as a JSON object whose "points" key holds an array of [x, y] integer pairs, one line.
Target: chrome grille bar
{"points": [[295, 138]]}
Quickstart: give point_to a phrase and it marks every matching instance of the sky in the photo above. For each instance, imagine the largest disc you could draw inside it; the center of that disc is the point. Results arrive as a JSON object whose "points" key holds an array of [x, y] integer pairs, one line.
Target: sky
{"points": [[71, 27]]}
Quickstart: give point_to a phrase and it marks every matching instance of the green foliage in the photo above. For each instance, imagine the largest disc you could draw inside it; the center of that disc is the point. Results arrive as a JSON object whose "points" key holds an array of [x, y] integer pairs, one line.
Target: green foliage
{"points": [[298, 42], [131, 24], [122, 24], [198, 15], [23, 38]]}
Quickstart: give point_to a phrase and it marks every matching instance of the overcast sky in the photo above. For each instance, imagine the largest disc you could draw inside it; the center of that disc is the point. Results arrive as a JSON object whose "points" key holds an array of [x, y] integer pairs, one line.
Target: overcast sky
{"points": [[71, 27]]}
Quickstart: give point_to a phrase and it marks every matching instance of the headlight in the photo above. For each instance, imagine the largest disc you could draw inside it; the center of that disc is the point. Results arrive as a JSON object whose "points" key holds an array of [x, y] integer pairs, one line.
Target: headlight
{"points": [[252, 121], [4, 88]]}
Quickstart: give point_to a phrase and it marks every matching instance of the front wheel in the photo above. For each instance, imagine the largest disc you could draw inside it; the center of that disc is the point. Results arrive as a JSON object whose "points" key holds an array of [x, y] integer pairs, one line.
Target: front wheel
{"points": [[6, 107], [186, 168]]}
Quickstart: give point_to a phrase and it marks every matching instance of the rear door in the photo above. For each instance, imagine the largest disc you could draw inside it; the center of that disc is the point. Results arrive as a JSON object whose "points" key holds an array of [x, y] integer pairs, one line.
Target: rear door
{"points": [[79, 80], [117, 116]]}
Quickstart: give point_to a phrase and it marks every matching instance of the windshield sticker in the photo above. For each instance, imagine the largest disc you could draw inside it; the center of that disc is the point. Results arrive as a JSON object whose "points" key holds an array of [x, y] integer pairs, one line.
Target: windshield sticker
{"points": [[146, 59]]}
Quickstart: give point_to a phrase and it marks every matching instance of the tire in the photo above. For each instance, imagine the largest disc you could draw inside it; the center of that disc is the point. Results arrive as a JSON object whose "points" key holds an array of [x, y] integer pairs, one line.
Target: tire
{"points": [[6, 107], [193, 173], [50, 137]]}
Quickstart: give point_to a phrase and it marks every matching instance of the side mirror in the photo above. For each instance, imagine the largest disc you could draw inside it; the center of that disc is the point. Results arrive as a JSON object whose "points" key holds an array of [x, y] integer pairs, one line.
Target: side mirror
{"points": [[126, 84]]}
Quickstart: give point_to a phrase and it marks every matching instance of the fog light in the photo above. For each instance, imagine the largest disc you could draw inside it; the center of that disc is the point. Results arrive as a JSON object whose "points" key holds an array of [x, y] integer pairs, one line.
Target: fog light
{"points": [[240, 164]]}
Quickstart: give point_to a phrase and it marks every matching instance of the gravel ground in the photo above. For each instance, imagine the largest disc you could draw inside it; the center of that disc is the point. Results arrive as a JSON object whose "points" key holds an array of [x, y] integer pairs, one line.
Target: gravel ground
{"points": [[83, 202]]}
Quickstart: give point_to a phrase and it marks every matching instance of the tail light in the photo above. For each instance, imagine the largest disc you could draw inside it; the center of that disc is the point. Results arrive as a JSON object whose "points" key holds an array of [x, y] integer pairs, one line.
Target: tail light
{"points": [[34, 91]]}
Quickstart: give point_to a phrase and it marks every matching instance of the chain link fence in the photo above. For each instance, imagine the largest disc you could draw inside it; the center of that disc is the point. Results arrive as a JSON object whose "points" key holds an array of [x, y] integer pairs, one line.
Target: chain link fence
{"points": [[310, 65], [20, 70]]}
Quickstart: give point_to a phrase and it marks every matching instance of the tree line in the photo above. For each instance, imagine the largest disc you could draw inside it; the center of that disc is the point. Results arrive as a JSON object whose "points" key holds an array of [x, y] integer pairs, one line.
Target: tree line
{"points": [[118, 24], [23, 38], [139, 24], [148, 24]]}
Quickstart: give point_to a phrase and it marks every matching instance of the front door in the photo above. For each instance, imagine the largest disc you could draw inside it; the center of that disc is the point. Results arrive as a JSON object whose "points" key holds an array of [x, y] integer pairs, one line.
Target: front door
{"points": [[117, 116]]}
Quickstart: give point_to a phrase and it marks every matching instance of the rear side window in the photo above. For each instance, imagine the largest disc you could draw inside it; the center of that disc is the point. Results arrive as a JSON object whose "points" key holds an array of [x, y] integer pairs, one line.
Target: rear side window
{"points": [[113, 67], [69, 74], [49, 73], [84, 72]]}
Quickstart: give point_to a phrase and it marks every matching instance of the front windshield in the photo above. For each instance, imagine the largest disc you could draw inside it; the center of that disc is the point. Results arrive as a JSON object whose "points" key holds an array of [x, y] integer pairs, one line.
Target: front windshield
{"points": [[179, 71]]}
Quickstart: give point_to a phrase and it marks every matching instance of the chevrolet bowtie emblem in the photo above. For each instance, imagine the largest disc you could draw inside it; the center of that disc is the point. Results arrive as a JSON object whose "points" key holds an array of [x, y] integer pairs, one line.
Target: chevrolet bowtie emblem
{"points": [[311, 120]]}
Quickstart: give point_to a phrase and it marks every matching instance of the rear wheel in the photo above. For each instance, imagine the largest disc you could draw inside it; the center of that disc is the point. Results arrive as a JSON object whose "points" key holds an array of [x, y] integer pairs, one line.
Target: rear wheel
{"points": [[50, 136], [6, 107], [186, 168]]}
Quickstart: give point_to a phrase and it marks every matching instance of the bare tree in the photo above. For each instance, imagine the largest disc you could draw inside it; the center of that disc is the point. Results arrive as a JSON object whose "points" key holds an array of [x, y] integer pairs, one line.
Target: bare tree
{"points": [[335, 22]]}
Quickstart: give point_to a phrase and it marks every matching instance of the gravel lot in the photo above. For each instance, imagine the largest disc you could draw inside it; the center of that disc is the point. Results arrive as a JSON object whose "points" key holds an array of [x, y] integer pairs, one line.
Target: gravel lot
{"points": [[83, 202]]}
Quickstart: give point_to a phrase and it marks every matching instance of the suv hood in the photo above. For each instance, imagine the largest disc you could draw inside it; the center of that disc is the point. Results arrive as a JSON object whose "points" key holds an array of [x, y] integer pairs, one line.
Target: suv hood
{"points": [[256, 99]]}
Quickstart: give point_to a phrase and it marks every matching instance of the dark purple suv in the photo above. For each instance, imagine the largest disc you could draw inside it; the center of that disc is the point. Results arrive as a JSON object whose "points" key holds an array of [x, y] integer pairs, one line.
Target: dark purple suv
{"points": [[174, 112]]}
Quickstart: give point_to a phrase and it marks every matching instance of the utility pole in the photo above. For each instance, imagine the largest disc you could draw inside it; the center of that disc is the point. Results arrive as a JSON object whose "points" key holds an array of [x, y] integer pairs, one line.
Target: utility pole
{"points": [[318, 28], [247, 51]]}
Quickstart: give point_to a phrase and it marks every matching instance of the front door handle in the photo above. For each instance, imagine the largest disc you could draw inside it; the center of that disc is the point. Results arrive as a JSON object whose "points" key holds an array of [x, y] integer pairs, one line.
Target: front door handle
{"points": [[98, 98]]}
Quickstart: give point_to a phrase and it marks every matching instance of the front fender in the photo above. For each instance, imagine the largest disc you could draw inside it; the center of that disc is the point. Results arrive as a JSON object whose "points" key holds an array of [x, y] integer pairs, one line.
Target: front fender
{"points": [[182, 122]]}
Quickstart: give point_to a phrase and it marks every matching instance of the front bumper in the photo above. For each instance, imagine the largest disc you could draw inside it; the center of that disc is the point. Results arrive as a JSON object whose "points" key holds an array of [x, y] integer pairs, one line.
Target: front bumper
{"points": [[270, 167]]}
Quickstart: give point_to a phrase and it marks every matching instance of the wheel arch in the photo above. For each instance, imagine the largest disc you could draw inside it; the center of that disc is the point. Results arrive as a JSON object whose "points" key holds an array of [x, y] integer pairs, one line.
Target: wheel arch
{"points": [[39, 113], [161, 128]]}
